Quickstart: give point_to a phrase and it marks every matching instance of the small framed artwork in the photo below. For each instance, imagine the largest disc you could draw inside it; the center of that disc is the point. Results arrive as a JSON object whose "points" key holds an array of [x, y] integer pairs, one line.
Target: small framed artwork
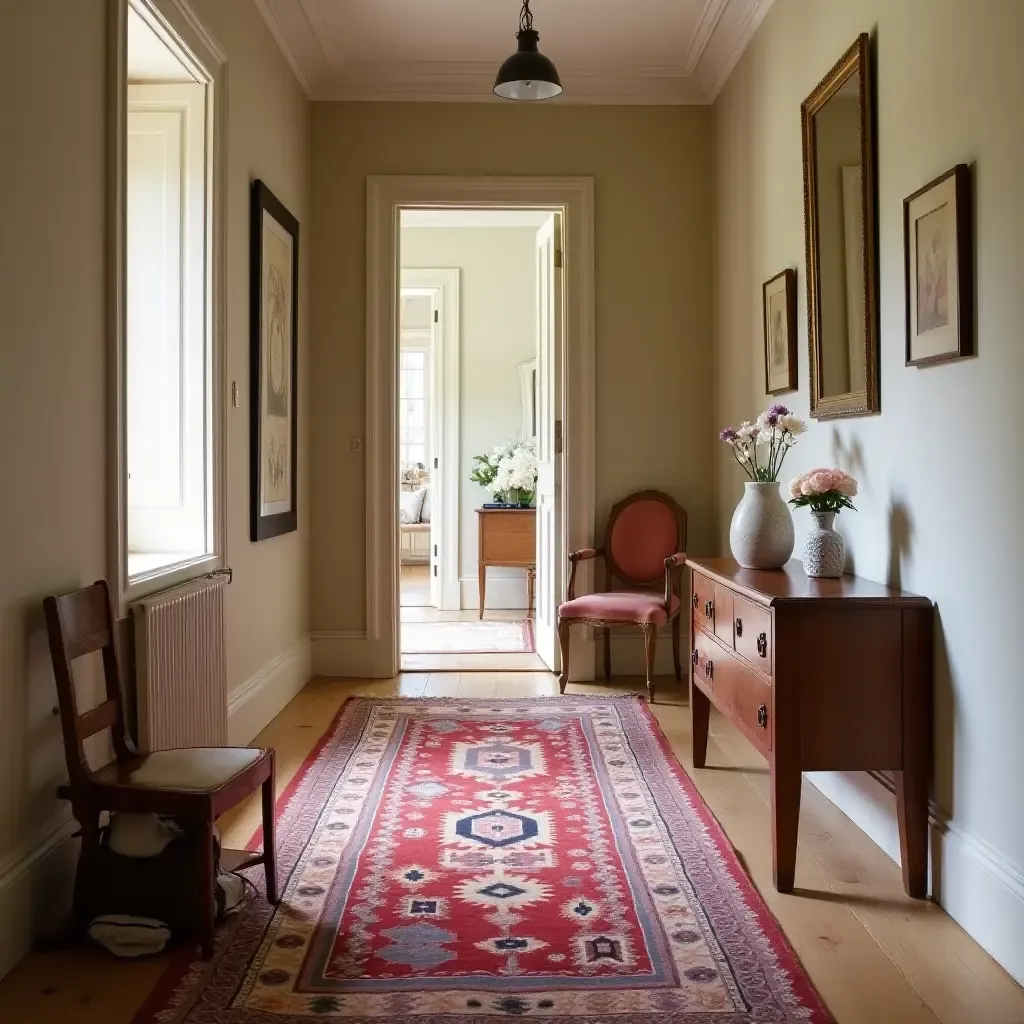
{"points": [[273, 355], [939, 269], [780, 333]]}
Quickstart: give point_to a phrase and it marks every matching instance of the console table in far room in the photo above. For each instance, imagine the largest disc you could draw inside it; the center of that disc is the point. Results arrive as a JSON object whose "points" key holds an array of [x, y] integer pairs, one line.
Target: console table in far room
{"points": [[508, 538]]}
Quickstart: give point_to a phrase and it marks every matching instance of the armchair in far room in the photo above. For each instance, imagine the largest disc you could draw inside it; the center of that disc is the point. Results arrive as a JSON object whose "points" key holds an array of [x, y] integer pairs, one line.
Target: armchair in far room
{"points": [[644, 550]]}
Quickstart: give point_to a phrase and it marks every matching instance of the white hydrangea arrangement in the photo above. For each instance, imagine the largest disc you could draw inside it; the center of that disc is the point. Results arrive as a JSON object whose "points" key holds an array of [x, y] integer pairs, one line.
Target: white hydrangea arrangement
{"points": [[509, 472]]}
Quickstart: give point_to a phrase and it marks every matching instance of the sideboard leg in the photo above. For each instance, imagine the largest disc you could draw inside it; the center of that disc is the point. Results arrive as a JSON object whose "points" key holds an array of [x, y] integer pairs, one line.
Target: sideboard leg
{"points": [[912, 783], [481, 582], [786, 778], [700, 712]]}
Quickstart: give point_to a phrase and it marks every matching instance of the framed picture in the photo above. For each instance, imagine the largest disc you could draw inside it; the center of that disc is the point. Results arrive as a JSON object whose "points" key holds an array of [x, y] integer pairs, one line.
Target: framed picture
{"points": [[274, 351], [939, 269], [780, 333]]}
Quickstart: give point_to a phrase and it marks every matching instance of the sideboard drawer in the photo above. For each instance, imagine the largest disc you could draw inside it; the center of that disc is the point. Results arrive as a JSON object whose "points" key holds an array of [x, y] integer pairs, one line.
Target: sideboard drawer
{"points": [[753, 625], [723, 614], [703, 603], [748, 698]]}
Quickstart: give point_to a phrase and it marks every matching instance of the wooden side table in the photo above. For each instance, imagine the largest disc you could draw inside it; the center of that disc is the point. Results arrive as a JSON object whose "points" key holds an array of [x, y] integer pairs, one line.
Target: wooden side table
{"points": [[508, 538]]}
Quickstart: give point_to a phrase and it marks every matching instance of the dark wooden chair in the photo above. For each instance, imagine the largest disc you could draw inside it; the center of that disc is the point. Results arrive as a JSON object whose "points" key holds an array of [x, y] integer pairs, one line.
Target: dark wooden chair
{"points": [[644, 550], [193, 784]]}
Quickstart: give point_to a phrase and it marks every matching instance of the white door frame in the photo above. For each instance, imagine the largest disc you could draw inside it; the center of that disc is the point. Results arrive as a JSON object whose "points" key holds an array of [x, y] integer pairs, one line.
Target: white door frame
{"points": [[444, 410], [386, 196]]}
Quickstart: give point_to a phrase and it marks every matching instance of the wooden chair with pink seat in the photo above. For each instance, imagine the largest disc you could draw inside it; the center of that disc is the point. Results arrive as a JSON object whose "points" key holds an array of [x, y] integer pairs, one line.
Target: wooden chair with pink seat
{"points": [[643, 549]]}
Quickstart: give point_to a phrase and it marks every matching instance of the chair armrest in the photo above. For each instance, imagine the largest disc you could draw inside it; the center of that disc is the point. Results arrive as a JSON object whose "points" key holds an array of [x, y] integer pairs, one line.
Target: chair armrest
{"points": [[674, 566], [575, 557]]}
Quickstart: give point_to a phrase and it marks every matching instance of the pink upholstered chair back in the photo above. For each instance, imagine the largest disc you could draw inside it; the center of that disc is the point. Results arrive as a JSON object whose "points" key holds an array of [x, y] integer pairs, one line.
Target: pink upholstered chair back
{"points": [[643, 530]]}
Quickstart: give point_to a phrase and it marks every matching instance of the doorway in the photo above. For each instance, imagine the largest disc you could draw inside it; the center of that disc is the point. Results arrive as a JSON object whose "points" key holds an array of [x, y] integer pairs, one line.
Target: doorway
{"points": [[563, 503], [468, 408]]}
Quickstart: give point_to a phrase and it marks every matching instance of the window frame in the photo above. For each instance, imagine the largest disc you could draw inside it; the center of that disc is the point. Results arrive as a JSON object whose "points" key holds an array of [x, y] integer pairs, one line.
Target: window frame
{"points": [[201, 53]]}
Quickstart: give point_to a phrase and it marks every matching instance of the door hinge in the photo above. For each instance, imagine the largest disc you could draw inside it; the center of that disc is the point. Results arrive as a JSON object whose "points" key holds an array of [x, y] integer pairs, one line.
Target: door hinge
{"points": [[435, 462], [435, 570], [558, 258], [436, 316], [558, 437], [435, 553]]}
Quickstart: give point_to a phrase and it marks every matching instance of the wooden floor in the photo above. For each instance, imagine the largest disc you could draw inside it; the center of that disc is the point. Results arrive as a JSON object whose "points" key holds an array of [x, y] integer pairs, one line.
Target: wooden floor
{"points": [[875, 955]]}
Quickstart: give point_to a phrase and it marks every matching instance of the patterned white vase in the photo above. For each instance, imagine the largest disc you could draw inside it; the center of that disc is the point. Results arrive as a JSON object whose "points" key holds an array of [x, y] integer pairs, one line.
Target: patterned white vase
{"points": [[824, 549], [761, 535]]}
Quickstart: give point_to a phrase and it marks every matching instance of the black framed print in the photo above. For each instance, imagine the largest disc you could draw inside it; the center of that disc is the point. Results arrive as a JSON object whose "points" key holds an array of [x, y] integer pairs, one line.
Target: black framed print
{"points": [[274, 356], [779, 298]]}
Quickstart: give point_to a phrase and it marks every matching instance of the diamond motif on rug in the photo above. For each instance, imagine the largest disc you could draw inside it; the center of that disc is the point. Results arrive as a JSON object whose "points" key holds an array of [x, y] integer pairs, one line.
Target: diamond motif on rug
{"points": [[597, 887]]}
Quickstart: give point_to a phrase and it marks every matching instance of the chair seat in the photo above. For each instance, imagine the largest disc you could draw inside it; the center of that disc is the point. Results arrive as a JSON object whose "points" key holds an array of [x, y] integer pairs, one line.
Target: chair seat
{"points": [[619, 606], [187, 769]]}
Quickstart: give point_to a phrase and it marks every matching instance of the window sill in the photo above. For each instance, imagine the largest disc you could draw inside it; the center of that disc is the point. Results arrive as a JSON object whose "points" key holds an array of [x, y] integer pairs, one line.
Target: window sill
{"points": [[151, 572]]}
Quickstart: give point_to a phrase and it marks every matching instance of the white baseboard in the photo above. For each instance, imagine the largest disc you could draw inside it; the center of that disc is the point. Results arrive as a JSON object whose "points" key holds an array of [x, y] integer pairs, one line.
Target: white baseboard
{"points": [[972, 881], [347, 653], [258, 700], [36, 880], [502, 591]]}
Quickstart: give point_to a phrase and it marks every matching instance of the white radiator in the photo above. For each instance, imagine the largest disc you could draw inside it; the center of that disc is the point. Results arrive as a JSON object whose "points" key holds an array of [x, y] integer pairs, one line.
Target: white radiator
{"points": [[181, 669]]}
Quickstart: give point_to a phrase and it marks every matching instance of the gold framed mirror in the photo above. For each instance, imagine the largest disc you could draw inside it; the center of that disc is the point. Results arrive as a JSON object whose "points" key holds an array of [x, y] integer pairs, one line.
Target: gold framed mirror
{"points": [[840, 206]]}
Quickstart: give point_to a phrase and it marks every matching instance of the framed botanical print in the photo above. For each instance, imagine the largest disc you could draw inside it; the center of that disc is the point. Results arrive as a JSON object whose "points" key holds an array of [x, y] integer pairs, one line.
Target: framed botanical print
{"points": [[274, 350], [939, 269], [780, 333]]}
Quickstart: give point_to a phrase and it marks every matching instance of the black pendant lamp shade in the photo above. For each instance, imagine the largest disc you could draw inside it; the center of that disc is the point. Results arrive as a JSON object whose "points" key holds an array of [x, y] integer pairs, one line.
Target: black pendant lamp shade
{"points": [[527, 74]]}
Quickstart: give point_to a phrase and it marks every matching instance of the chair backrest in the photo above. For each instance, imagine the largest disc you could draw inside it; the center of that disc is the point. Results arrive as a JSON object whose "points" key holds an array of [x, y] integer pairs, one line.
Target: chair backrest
{"points": [[77, 624], [643, 530]]}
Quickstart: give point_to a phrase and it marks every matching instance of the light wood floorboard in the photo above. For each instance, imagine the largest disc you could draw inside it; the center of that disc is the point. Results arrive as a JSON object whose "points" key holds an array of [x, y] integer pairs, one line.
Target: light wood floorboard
{"points": [[874, 954]]}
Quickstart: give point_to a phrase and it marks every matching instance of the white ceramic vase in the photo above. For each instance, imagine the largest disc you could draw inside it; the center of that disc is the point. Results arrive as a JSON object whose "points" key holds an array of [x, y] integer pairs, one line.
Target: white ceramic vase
{"points": [[824, 549], [761, 535]]}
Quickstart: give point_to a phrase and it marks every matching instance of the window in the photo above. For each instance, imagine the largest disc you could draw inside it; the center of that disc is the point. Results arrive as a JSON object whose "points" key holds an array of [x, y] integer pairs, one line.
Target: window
{"points": [[167, 400], [413, 422]]}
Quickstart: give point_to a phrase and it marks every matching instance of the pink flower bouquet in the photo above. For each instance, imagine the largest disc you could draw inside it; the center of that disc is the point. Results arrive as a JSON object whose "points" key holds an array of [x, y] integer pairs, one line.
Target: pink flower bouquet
{"points": [[823, 490]]}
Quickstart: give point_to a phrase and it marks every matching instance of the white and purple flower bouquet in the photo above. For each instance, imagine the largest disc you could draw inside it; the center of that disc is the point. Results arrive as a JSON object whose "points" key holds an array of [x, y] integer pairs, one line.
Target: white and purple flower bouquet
{"points": [[760, 447]]}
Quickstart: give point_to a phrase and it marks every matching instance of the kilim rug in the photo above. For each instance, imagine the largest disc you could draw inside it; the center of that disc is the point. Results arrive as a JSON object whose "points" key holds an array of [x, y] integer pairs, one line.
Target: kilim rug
{"points": [[482, 860], [473, 636]]}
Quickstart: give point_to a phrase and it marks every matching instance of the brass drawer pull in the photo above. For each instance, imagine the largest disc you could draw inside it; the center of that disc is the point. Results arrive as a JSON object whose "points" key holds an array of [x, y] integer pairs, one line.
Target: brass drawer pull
{"points": [[694, 656], [739, 627], [762, 716], [694, 601], [709, 669], [762, 644], [709, 607]]}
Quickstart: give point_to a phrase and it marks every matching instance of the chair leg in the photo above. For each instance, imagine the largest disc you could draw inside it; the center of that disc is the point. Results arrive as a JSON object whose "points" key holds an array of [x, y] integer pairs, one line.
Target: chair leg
{"points": [[270, 839], [607, 653], [676, 629], [650, 632], [81, 905], [206, 902], [563, 643]]}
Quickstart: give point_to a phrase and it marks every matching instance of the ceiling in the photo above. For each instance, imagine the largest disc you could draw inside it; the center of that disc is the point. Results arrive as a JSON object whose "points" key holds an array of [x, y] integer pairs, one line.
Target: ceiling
{"points": [[633, 51]]}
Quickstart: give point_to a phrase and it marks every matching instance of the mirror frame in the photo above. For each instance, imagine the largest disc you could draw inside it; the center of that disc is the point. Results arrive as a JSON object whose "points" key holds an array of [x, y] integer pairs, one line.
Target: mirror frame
{"points": [[866, 400]]}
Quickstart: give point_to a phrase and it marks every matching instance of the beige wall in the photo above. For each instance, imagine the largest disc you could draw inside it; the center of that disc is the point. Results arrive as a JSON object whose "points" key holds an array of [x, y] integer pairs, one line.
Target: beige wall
{"points": [[498, 331], [653, 196], [941, 471], [53, 523]]}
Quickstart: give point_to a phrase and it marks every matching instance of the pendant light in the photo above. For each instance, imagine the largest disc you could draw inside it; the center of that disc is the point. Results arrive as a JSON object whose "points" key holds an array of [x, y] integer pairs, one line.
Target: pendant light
{"points": [[527, 74]]}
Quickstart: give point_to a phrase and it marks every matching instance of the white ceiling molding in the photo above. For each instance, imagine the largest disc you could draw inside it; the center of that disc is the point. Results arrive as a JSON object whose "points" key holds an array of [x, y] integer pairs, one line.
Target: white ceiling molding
{"points": [[462, 218], [646, 52]]}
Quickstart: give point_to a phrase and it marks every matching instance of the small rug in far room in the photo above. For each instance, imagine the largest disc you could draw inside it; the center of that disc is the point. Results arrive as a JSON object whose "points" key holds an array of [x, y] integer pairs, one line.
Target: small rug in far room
{"points": [[480, 861], [472, 636]]}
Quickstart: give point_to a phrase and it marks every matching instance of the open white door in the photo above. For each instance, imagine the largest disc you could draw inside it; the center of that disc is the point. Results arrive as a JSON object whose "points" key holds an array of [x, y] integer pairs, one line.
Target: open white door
{"points": [[549, 441]]}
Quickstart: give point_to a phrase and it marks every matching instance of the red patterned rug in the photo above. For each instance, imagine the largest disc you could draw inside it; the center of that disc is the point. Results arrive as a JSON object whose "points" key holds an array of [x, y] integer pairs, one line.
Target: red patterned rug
{"points": [[491, 859]]}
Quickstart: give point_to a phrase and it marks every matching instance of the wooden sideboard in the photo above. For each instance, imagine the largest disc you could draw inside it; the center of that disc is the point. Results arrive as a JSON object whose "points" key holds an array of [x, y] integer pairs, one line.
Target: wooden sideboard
{"points": [[508, 538], [820, 675]]}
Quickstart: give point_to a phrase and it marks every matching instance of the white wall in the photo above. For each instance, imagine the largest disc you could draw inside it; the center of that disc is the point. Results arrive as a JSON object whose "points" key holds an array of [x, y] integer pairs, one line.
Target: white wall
{"points": [[497, 321], [941, 472], [53, 403]]}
